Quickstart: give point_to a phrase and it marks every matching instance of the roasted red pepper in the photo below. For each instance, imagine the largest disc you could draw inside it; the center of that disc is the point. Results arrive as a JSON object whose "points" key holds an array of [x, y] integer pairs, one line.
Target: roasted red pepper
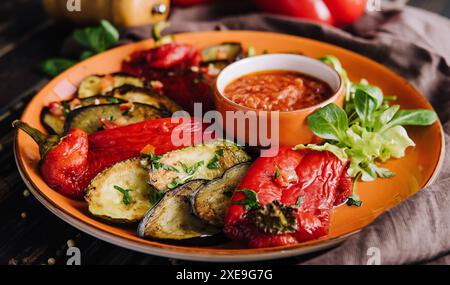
{"points": [[176, 67], [69, 163], [295, 193]]}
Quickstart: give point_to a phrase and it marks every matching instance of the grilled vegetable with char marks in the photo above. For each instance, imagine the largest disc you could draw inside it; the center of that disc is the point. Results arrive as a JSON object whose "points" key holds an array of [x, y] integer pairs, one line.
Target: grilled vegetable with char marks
{"points": [[120, 194], [172, 218], [211, 200], [205, 161], [228, 51], [145, 96], [101, 84], [54, 123], [93, 118]]}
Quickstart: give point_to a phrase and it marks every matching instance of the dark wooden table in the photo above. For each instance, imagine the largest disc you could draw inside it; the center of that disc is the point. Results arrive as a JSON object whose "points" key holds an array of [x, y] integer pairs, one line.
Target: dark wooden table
{"points": [[30, 234]]}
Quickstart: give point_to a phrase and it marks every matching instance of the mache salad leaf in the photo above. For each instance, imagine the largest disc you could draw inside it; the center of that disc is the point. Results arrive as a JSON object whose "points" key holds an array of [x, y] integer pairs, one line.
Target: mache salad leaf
{"points": [[367, 130]]}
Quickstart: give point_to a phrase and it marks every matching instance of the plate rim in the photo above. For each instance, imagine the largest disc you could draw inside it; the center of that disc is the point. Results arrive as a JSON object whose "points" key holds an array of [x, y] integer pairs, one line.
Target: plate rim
{"points": [[270, 253]]}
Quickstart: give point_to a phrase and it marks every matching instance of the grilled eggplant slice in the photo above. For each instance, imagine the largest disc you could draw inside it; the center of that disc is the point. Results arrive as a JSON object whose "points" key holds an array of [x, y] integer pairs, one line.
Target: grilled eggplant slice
{"points": [[171, 218], [120, 194], [230, 52], [55, 124], [93, 118], [100, 84], [145, 96], [211, 200], [206, 161]]}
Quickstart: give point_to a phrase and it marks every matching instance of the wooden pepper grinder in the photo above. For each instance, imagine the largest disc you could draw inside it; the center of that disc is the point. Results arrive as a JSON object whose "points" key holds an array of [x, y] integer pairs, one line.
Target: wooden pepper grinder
{"points": [[123, 13]]}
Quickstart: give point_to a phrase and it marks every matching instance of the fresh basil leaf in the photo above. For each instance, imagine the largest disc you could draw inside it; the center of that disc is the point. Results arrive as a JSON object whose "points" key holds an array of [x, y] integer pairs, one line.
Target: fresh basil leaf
{"points": [[86, 54], [55, 66], [250, 201], [329, 122], [99, 38], [111, 31], [418, 117]]}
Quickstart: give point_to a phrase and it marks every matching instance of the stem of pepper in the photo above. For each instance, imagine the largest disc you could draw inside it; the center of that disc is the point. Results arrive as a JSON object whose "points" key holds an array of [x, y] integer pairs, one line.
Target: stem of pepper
{"points": [[45, 142]]}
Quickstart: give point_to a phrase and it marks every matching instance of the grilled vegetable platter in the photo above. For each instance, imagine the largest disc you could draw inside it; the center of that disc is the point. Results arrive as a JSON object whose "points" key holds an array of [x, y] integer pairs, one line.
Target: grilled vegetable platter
{"points": [[111, 146]]}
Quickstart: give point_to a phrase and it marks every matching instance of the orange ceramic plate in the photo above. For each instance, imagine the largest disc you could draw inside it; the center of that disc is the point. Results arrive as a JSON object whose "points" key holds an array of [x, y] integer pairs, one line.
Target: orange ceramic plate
{"points": [[416, 170]]}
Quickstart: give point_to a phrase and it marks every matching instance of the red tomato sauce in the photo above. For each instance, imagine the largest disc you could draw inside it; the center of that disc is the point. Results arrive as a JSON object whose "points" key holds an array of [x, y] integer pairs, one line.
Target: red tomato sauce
{"points": [[278, 90]]}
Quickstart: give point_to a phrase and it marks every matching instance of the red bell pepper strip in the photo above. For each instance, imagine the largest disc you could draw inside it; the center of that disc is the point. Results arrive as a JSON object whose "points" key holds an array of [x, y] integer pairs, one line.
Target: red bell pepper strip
{"points": [[295, 191], [171, 65], [69, 163]]}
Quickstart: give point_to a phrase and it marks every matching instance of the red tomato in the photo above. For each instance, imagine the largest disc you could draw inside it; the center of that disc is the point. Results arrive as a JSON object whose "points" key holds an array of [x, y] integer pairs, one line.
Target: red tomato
{"points": [[332, 12], [346, 12], [314, 10]]}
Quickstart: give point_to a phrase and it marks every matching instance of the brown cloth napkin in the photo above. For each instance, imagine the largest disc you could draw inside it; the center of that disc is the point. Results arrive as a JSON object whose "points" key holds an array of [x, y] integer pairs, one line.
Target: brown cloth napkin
{"points": [[415, 44]]}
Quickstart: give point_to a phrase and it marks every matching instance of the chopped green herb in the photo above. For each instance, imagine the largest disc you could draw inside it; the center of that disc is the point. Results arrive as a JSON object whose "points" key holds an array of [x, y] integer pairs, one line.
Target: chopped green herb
{"points": [[277, 173], [250, 201], [112, 100], [168, 167], [126, 199], [191, 169], [220, 152], [154, 161], [228, 194], [299, 201], [214, 163], [177, 182], [111, 118]]}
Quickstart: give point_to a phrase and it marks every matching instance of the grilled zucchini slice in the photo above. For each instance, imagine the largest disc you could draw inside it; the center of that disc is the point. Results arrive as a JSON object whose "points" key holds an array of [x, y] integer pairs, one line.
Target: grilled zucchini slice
{"points": [[55, 124], [229, 52], [171, 218], [211, 200], [145, 96], [92, 118], [92, 85], [106, 198], [206, 161]]}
